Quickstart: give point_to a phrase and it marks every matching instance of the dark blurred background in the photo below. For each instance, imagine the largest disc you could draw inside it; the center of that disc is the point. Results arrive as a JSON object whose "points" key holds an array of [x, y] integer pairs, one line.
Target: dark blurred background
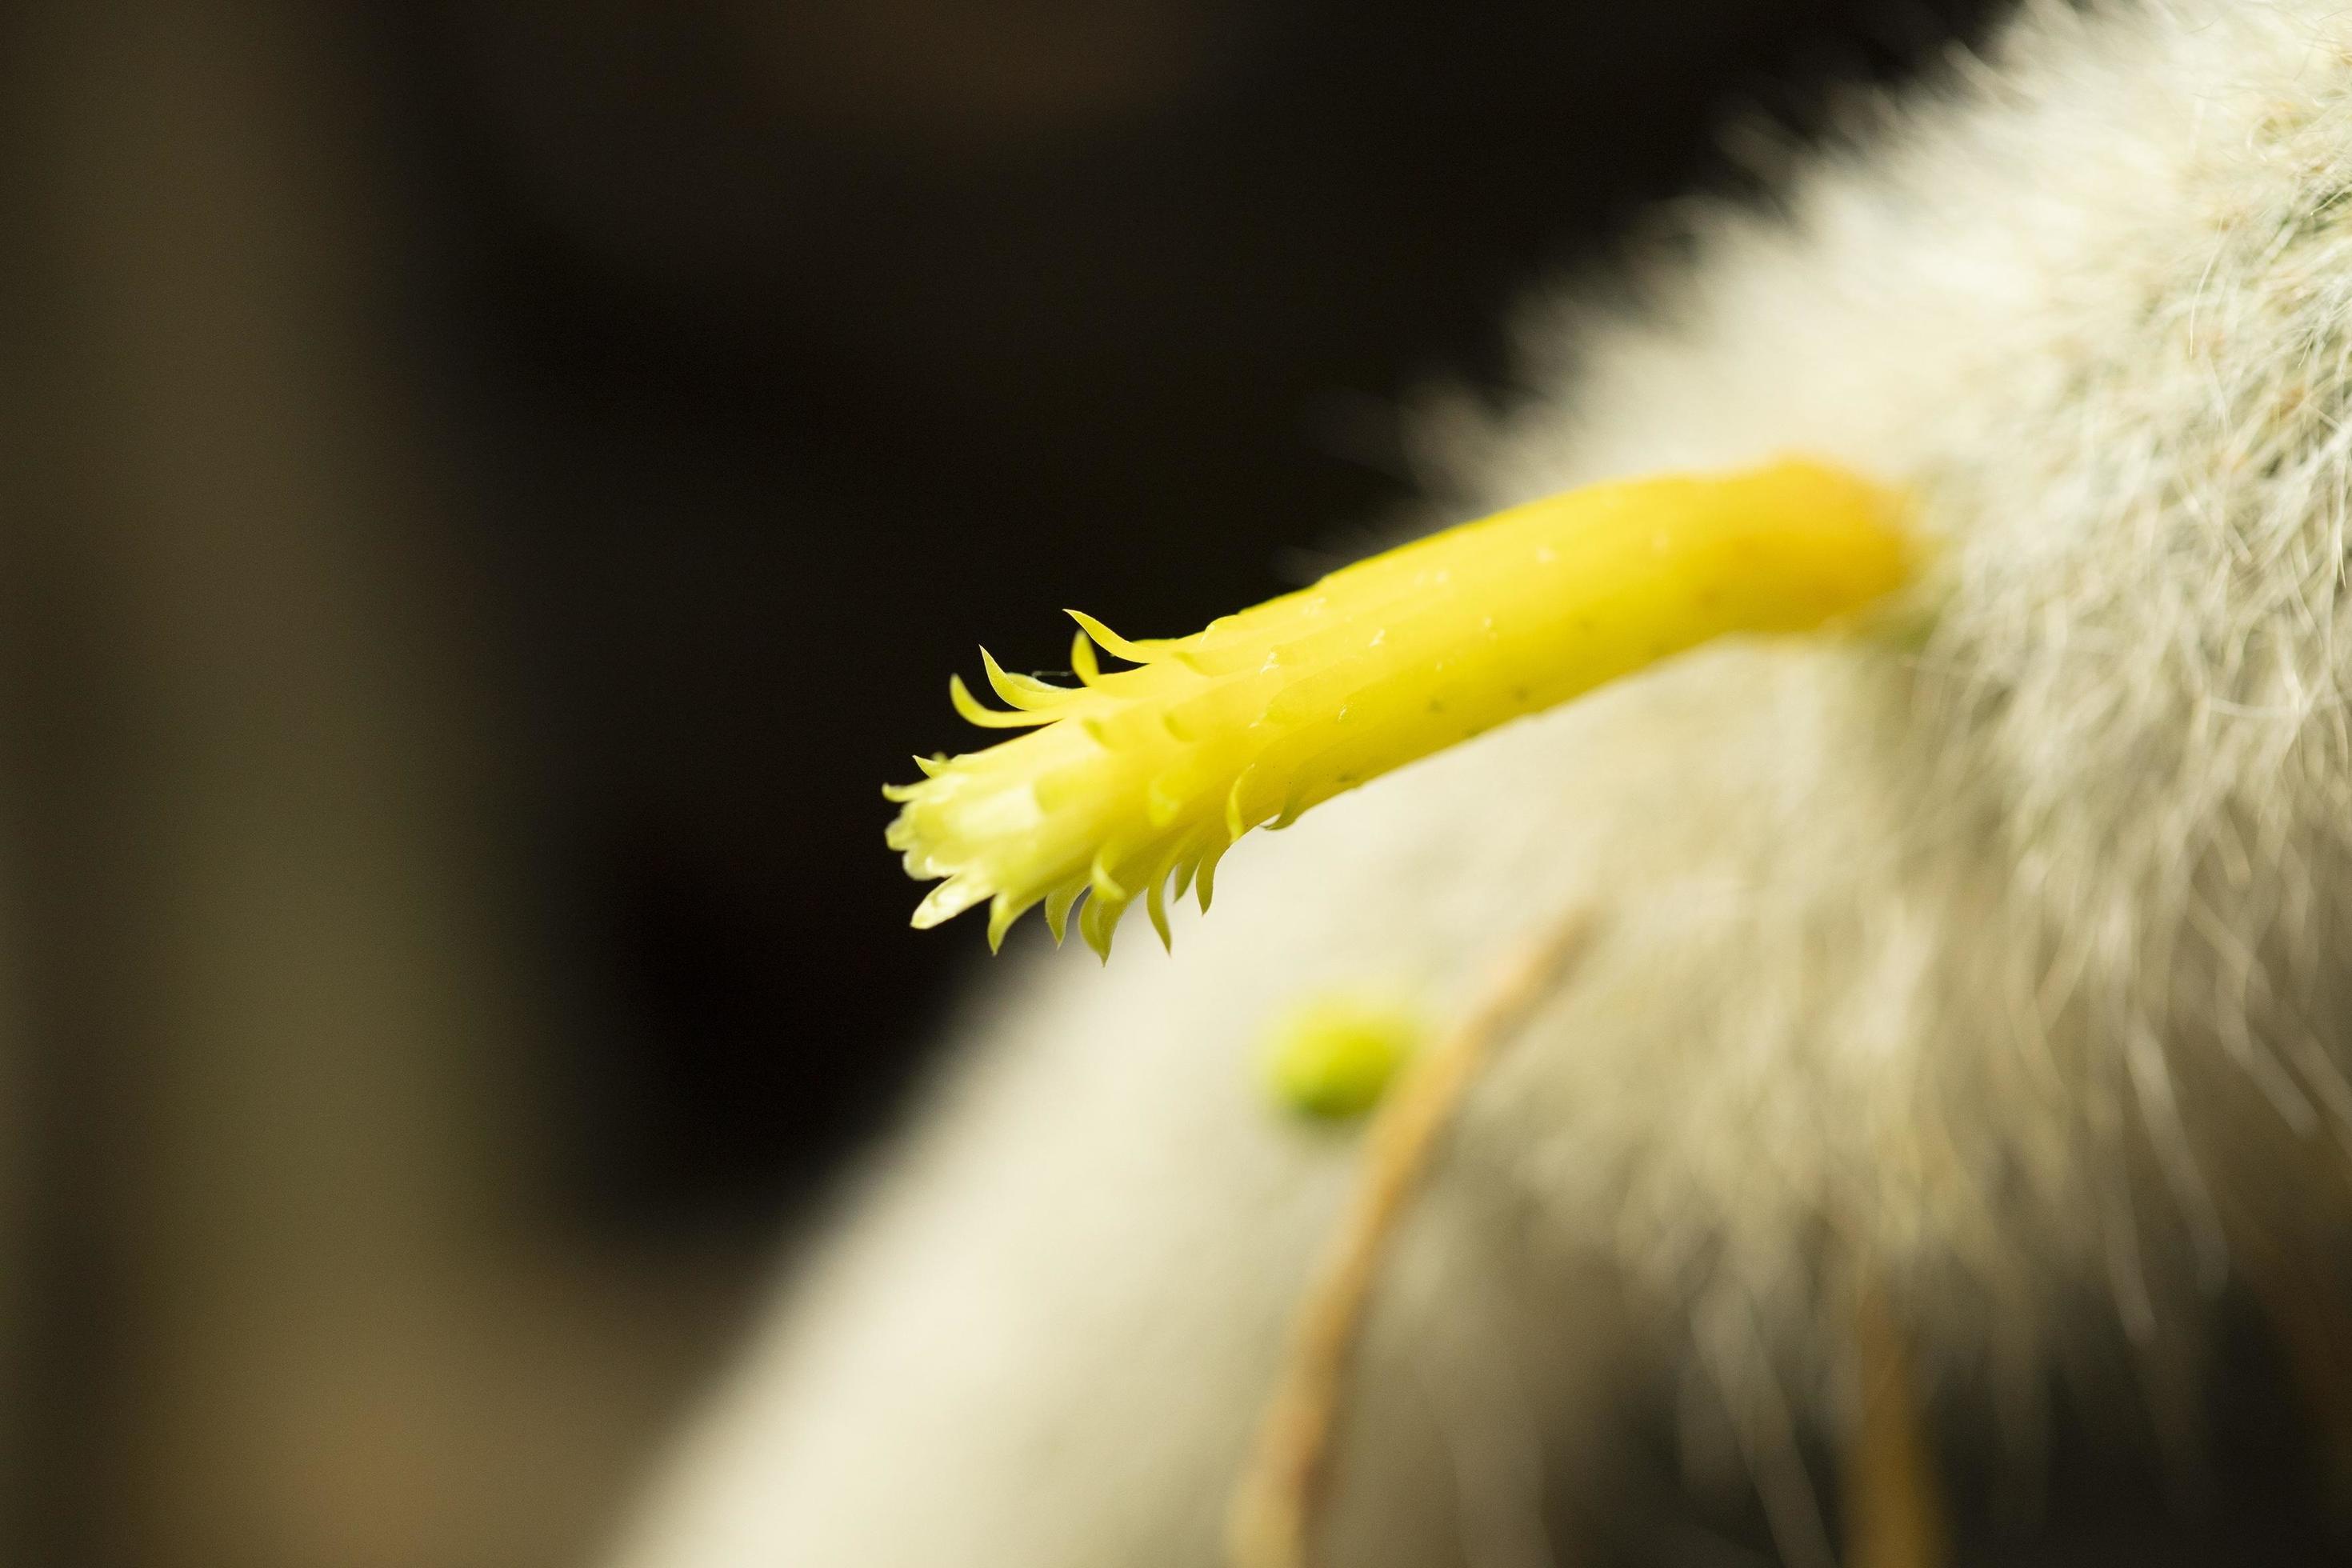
{"points": [[491, 489]]}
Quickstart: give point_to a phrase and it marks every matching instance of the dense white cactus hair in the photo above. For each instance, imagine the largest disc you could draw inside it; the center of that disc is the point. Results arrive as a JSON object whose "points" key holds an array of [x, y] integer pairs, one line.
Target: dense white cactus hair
{"points": [[2006, 971]]}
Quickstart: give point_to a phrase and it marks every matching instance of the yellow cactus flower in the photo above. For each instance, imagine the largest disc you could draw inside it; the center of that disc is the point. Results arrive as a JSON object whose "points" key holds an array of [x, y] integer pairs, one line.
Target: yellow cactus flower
{"points": [[1135, 778]]}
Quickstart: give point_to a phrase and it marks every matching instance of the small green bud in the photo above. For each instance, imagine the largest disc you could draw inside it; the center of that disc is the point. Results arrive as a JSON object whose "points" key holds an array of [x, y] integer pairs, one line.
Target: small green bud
{"points": [[1331, 1055]]}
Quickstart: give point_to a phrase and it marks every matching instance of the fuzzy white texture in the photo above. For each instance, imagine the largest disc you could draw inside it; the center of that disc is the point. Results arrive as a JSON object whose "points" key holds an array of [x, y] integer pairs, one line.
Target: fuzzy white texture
{"points": [[2006, 971]]}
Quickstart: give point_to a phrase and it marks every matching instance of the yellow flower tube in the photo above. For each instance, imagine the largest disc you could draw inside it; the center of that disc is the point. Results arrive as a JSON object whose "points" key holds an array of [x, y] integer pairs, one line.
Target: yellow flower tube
{"points": [[1135, 778]]}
